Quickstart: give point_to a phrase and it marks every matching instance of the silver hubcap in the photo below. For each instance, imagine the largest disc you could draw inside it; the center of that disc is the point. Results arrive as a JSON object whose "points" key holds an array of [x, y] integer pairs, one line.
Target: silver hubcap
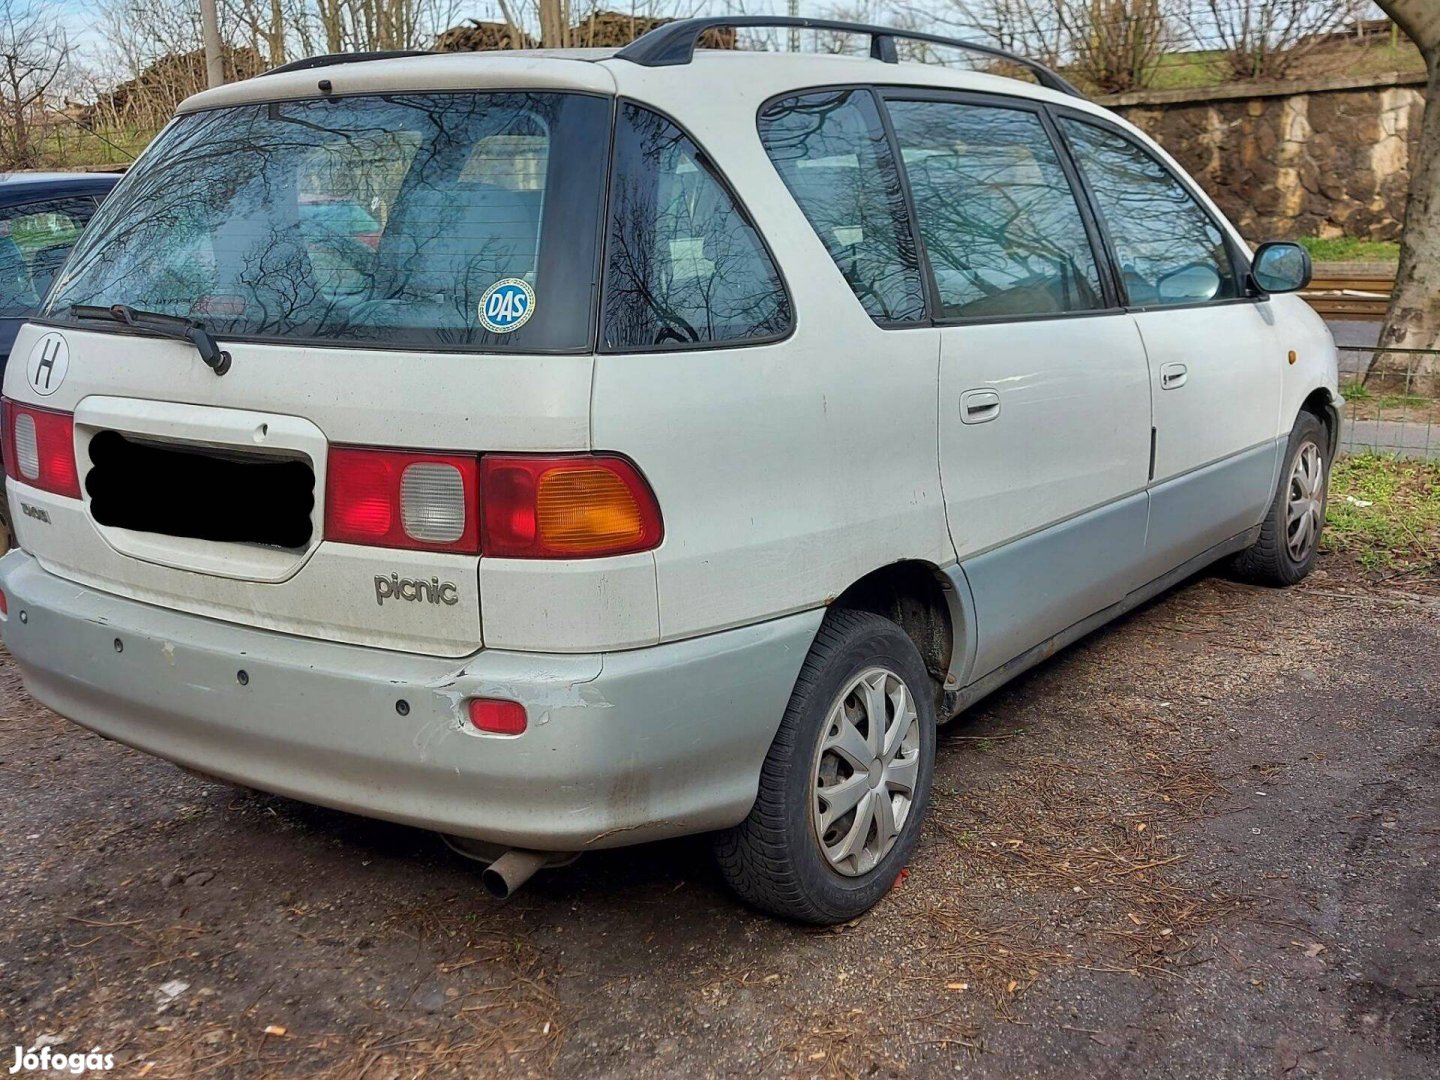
{"points": [[1304, 502], [866, 767]]}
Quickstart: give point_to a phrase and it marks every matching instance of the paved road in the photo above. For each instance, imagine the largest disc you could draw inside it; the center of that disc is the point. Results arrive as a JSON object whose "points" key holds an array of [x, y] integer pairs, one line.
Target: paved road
{"points": [[1203, 843]]}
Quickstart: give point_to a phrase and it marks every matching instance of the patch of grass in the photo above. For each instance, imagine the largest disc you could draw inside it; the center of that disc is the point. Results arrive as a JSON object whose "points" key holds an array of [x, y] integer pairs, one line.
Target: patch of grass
{"points": [[1349, 249], [1385, 510]]}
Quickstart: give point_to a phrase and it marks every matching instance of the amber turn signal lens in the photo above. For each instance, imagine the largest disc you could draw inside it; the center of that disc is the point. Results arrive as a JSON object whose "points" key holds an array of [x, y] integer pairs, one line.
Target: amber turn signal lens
{"points": [[585, 510], [572, 506]]}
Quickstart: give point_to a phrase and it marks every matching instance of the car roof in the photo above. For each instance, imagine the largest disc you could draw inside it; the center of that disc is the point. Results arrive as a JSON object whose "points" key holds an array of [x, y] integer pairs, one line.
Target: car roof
{"points": [[20, 186], [601, 71]]}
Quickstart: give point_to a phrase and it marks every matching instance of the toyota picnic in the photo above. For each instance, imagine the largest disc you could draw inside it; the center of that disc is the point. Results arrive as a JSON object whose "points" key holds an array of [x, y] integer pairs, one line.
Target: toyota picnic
{"points": [[563, 450]]}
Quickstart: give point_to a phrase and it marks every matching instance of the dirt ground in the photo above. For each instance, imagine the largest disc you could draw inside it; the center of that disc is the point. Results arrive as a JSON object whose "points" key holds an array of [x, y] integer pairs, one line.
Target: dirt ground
{"points": [[1203, 842]]}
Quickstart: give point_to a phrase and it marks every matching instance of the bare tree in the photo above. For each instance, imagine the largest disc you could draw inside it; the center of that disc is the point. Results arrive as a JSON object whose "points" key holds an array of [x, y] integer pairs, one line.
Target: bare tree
{"points": [[1110, 45], [1413, 320], [34, 57], [1264, 39], [1028, 27], [1116, 45]]}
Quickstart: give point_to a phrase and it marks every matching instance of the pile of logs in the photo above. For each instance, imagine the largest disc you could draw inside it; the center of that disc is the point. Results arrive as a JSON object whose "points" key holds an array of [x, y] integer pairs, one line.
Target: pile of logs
{"points": [[602, 30]]}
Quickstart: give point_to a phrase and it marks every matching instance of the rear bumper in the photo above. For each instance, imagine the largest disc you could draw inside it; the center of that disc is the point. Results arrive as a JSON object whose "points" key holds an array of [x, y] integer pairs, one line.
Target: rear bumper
{"points": [[621, 747]]}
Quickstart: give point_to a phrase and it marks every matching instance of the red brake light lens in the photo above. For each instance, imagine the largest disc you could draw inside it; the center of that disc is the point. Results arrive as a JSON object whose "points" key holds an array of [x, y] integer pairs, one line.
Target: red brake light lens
{"points": [[496, 717], [575, 506], [40, 448], [402, 499]]}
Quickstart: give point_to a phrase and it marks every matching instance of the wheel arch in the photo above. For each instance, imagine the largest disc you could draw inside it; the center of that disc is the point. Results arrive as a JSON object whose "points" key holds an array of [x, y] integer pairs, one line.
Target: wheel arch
{"points": [[1322, 403], [932, 605]]}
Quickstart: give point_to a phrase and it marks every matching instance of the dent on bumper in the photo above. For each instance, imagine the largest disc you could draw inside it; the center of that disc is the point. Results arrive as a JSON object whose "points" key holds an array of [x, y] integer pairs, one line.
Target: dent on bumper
{"points": [[621, 747]]}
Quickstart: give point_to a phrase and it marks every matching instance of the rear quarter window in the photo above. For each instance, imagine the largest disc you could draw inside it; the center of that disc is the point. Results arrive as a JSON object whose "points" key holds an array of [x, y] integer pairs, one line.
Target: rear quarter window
{"points": [[684, 265]]}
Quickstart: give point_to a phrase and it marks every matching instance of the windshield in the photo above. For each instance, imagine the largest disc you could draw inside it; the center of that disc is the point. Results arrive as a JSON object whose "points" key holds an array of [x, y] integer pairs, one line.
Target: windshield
{"points": [[439, 220]]}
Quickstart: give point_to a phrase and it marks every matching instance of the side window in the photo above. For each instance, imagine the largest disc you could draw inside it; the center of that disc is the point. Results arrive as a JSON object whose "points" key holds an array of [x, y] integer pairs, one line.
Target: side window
{"points": [[1168, 248], [831, 151], [684, 266], [35, 238], [1000, 221]]}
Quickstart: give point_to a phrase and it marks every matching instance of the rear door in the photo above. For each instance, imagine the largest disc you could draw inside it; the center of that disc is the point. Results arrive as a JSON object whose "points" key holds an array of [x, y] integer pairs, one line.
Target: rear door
{"points": [[1044, 404], [1215, 370], [403, 281]]}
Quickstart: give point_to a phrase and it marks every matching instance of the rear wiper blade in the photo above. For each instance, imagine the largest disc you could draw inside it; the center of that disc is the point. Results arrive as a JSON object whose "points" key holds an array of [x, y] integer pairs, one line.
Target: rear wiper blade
{"points": [[171, 326]]}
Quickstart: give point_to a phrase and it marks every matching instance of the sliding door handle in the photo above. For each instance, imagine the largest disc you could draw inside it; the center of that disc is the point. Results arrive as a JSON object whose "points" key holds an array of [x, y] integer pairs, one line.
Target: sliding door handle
{"points": [[1173, 376], [978, 406]]}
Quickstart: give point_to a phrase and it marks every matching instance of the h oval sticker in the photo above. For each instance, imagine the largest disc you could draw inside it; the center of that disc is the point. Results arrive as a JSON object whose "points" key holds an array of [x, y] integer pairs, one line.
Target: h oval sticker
{"points": [[507, 305], [48, 363]]}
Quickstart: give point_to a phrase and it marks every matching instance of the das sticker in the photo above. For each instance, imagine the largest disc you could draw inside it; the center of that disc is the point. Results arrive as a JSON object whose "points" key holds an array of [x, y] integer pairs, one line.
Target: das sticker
{"points": [[48, 363], [507, 305]]}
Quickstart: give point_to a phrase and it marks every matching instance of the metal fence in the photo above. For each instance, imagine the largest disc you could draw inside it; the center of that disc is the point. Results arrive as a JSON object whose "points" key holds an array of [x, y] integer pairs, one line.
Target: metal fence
{"points": [[1392, 401]]}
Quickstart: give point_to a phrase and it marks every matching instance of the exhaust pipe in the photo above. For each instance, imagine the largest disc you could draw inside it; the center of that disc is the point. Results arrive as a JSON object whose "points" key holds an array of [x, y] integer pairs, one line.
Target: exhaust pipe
{"points": [[503, 877]]}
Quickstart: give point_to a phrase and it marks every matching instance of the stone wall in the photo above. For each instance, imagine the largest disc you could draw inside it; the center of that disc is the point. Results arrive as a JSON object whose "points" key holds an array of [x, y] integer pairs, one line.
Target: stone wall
{"points": [[1324, 157]]}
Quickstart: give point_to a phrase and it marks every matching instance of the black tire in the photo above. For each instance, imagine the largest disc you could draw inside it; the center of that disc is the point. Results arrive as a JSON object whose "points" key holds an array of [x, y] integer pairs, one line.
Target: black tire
{"points": [[774, 859], [1269, 560]]}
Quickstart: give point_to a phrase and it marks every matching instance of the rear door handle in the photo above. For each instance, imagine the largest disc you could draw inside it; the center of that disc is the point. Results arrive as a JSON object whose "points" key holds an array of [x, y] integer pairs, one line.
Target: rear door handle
{"points": [[1173, 376], [978, 406]]}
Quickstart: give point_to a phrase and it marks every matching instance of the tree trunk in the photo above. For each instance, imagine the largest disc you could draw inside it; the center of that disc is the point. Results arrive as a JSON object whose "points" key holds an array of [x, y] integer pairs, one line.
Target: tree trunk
{"points": [[553, 24], [1413, 321], [277, 33]]}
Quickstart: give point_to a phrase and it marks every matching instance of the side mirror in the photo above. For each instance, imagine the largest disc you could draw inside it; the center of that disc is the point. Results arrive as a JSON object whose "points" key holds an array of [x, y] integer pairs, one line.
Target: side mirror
{"points": [[1280, 268]]}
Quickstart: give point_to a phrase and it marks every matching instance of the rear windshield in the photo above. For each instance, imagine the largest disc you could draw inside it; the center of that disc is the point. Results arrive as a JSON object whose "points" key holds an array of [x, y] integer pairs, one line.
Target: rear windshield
{"points": [[421, 220]]}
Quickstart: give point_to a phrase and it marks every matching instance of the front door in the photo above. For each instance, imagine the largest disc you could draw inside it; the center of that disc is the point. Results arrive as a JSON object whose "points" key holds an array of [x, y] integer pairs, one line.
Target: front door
{"points": [[1215, 375], [1044, 390]]}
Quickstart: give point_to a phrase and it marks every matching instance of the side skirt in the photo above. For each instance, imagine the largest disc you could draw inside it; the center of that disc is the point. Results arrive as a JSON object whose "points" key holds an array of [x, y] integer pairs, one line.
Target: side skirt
{"points": [[957, 701]]}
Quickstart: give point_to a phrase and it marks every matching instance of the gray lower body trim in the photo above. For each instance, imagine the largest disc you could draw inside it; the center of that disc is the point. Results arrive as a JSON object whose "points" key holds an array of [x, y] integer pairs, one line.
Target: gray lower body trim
{"points": [[621, 747], [1034, 587], [1189, 514], [960, 700]]}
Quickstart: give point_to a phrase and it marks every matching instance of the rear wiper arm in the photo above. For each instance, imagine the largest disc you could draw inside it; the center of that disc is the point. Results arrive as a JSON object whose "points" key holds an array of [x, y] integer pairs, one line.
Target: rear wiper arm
{"points": [[170, 326]]}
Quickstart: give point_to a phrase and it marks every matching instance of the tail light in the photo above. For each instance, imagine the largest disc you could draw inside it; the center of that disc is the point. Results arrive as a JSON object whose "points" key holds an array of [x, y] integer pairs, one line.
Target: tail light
{"points": [[40, 448], [402, 499], [577, 506], [512, 506]]}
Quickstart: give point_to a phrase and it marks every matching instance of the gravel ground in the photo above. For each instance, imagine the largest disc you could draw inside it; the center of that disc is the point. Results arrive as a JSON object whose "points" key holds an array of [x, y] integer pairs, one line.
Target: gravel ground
{"points": [[1201, 843]]}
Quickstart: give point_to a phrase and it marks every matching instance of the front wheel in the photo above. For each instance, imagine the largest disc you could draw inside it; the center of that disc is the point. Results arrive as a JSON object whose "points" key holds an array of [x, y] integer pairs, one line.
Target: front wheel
{"points": [[847, 780], [1290, 535]]}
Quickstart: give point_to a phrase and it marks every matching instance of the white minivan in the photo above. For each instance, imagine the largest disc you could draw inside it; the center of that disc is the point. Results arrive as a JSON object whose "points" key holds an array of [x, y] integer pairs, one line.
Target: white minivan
{"points": [[563, 450]]}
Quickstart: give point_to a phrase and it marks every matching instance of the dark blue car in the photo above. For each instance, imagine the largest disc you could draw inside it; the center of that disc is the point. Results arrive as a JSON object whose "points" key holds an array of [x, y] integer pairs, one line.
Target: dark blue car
{"points": [[41, 215]]}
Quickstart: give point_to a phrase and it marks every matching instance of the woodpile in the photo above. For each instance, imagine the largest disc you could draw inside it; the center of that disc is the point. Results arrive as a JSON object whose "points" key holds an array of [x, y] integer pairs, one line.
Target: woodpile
{"points": [[481, 36], [149, 99], [602, 30]]}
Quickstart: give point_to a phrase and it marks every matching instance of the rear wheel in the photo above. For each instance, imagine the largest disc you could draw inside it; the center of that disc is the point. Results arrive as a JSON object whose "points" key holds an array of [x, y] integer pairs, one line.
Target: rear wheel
{"points": [[1290, 535], [847, 780]]}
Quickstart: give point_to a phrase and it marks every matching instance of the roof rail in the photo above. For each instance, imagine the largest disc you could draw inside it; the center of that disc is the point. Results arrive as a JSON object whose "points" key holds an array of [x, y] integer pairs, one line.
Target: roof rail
{"points": [[674, 43], [331, 59]]}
